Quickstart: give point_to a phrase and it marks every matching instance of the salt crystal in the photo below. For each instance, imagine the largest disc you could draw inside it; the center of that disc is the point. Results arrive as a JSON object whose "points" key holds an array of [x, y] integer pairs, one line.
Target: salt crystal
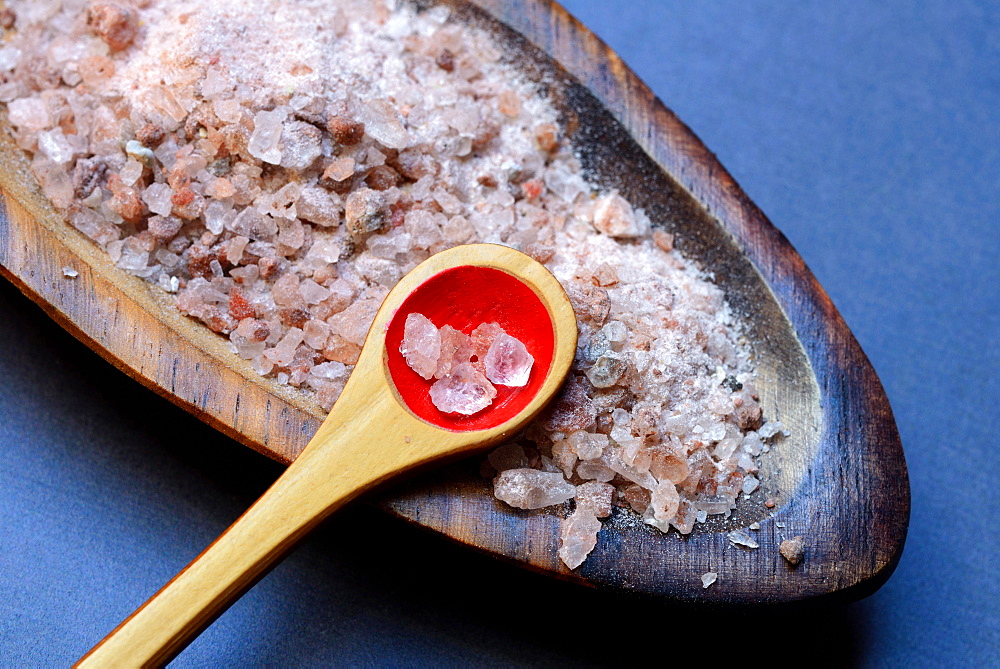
{"points": [[70, 273], [597, 496], [586, 445], [750, 483], [421, 346], [157, 197], [606, 372], [532, 489], [741, 538], [29, 114], [792, 550], [708, 578], [465, 390], [382, 123], [613, 216], [300, 145], [508, 362], [284, 351], [264, 142], [55, 145], [593, 470], [456, 348], [578, 536]]}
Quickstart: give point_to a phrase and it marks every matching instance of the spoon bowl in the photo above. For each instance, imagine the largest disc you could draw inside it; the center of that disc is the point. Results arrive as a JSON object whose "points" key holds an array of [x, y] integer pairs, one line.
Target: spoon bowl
{"points": [[379, 429]]}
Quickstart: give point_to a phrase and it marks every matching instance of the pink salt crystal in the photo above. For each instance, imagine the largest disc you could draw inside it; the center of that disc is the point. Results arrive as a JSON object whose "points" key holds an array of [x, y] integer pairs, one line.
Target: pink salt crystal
{"points": [[579, 536], [571, 411], [741, 538], [353, 322], [382, 123], [456, 348], [340, 169], [29, 114], [637, 497], [157, 198], [508, 362], [421, 346], [664, 503], [264, 142], [283, 353], [594, 470], [313, 292], [532, 489], [300, 145], [53, 143], [285, 291], [316, 334], [465, 390], [366, 211], [319, 206], [291, 233], [597, 496], [613, 216], [586, 445], [564, 457], [482, 338]]}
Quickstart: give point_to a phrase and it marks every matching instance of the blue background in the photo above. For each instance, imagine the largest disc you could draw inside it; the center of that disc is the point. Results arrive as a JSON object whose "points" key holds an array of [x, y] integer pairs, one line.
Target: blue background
{"points": [[869, 132]]}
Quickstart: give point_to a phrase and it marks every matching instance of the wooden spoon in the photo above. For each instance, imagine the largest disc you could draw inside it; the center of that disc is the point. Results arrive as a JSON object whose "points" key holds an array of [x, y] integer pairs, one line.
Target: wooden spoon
{"points": [[382, 426]]}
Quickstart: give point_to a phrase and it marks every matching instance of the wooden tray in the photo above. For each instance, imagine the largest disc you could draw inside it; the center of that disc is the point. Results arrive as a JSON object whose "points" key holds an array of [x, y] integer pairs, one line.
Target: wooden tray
{"points": [[839, 479]]}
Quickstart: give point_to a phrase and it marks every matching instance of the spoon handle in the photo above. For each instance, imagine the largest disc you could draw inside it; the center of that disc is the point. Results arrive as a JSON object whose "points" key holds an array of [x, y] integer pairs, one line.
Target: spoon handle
{"points": [[339, 463]]}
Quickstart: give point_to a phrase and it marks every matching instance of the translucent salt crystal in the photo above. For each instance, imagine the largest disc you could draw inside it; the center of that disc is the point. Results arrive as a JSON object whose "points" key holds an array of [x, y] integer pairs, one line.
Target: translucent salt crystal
{"points": [[750, 483], [131, 172], [300, 145], [70, 273], [313, 292], [95, 226], [508, 362], [283, 353], [701, 516], [751, 444], [613, 216], [578, 536], [606, 371], [388, 246], [216, 82], [157, 198], [53, 143], [532, 489], [597, 496], [378, 270], [29, 114], [383, 124], [285, 291], [456, 348], [251, 223], [353, 322], [508, 456], [483, 336], [564, 457], [708, 578], [755, 526], [264, 142], [315, 334], [586, 445], [615, 332], [291, 233], [9, 58], [217, 216], [741, 538], [421, 347], [333, 371], [593, 470], [771, 428], [228, 111], [465, 390]]}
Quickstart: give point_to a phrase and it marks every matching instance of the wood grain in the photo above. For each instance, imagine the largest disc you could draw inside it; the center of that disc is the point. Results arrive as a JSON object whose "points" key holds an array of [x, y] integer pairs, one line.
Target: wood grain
{"points": [[839, 479]]}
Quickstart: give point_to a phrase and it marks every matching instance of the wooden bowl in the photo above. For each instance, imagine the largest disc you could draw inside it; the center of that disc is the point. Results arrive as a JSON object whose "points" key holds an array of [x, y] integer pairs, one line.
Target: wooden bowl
{"points": [[839, 480]]}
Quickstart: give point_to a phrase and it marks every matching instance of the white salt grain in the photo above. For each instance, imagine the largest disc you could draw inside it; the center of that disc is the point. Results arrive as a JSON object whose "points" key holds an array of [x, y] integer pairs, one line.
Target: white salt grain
{"points": [[708, 578]]}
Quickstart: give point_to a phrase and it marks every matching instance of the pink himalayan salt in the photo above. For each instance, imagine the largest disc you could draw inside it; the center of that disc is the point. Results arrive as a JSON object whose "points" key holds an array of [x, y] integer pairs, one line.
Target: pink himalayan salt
{"points": [[508, 362], [532, 489], [465, 390], [578, 536], [421, 345], [613, 216], [597, 496], [586, 445], [456, 348]]}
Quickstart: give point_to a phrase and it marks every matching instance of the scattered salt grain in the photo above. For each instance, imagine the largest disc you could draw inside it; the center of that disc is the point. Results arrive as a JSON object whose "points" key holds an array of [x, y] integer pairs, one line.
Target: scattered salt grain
{"points": [[708, 578], [792, 550], [70, 273], [741, 538], [532, 489]]}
